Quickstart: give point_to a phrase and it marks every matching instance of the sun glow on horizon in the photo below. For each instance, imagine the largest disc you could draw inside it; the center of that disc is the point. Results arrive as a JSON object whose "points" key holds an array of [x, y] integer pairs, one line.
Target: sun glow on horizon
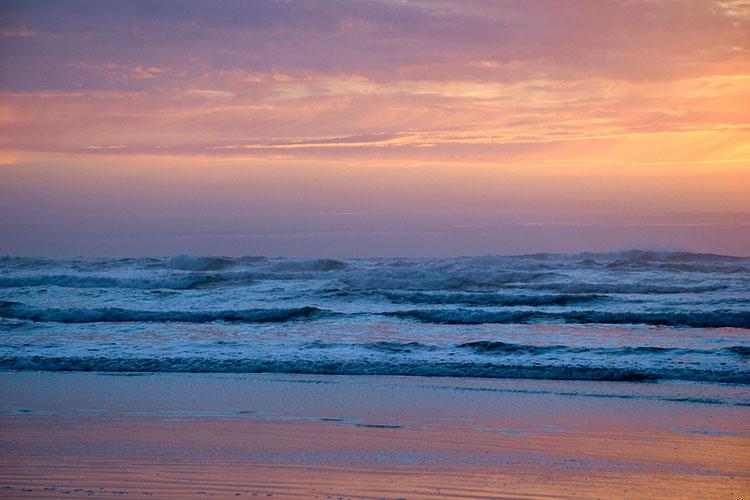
{"points": [[120, 119]]}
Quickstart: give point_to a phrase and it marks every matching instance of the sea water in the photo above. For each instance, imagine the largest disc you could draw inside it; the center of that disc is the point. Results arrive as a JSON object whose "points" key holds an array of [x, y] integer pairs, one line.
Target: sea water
{"points": [[625, 316]]}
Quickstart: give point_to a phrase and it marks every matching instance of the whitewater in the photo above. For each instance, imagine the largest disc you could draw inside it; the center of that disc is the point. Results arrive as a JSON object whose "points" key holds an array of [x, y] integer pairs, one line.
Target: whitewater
{"points": [[632, 316]]}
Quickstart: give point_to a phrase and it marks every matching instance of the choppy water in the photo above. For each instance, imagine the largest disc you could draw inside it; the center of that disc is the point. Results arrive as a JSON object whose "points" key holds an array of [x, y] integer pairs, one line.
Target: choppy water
{"points": [[620, 316]]}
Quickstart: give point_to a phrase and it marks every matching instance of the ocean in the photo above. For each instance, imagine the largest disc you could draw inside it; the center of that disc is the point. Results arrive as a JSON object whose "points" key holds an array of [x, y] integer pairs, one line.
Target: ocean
{"points": [[635, 316]]}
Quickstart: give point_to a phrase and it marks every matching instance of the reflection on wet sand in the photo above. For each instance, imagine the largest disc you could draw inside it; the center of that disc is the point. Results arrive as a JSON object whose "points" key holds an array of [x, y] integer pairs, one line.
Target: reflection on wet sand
{"points": [[594, 447]]}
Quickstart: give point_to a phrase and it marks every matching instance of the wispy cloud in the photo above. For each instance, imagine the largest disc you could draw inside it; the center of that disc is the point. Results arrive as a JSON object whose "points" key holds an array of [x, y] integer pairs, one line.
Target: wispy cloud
{"points": [[21, 32]]}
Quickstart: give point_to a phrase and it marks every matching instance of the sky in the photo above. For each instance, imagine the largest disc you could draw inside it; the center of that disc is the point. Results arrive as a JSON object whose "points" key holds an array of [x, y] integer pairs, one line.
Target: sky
{"points": [[357, 128]]}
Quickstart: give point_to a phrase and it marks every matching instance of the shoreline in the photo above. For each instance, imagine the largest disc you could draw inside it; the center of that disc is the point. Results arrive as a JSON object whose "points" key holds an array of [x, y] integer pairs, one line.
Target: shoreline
{"points": [[303, 436]]}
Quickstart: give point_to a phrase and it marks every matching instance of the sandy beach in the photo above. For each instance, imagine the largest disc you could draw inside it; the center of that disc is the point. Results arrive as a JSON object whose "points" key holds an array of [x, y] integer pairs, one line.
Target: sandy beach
{"points": [[301, 436]]}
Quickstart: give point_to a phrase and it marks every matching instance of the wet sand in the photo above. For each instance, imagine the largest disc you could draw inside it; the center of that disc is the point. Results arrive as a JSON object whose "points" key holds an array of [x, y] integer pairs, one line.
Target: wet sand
{"points": [[297, 436]]}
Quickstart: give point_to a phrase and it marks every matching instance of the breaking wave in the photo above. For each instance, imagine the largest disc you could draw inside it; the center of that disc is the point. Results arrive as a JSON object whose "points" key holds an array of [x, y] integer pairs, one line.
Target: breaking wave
{"points": [[320, 265], [17, 310], [191, 263], [471, 279], [460, 316], [491, 347], [469, 298], [366, 367], [495, 347], [179, 282], [712, 319], [622, 288]]}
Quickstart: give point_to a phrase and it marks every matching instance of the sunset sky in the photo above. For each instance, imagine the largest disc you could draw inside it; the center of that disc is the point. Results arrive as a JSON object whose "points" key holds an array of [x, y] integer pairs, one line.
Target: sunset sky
{"points": [[374, 127]]}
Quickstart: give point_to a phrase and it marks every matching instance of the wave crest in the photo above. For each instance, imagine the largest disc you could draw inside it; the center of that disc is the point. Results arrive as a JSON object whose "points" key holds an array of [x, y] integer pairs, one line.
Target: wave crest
{"points": [[711, 319], [16, 310], [366, 367], [186, 262], [320, 265], [180, 282]]}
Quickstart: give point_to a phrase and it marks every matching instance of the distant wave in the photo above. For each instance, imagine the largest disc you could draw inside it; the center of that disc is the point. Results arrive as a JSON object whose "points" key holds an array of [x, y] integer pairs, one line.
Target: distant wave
{"points": [[712, 319], [702, 267], [191, 263], [367, 367], [320, 265], [17, 310], [557, 278], [179, 282], [636, 255], [414, 289], [471, 279]]}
